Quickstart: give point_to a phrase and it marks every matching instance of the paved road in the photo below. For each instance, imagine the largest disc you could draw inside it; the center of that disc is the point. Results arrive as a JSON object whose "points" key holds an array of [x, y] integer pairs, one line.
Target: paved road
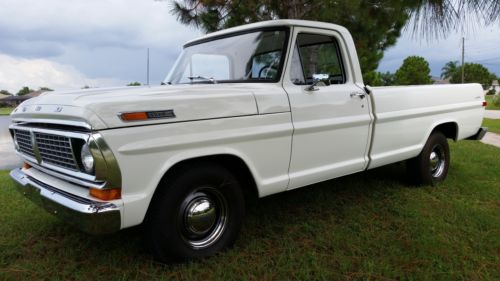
{"points": [[492, 114], [8, 158]]}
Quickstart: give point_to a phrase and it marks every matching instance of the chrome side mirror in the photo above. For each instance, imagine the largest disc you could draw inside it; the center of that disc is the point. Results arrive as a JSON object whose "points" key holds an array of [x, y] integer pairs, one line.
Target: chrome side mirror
{"points": [[321, 77]]}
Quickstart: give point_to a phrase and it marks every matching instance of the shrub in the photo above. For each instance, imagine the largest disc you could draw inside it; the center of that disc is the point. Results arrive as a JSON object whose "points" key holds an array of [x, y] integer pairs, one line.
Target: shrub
{"points": [[496, 100], [491, 92]]}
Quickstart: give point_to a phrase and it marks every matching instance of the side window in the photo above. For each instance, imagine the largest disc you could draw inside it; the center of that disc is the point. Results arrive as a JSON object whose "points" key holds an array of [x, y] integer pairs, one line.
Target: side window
{"points": [[316, 55]]}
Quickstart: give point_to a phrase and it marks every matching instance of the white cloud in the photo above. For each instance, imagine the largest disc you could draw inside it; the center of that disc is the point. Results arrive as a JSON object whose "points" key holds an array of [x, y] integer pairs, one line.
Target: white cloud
{"points": [[111, 23], [100, 38], [34, 73]]}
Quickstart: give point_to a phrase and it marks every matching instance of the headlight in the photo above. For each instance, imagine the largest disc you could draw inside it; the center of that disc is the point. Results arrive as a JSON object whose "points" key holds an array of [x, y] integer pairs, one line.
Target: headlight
{"points": [[87, 159]]}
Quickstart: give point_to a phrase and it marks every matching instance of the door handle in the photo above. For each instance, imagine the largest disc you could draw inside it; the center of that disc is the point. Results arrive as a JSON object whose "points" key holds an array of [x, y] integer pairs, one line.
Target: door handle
{"points": [[359, 95]]}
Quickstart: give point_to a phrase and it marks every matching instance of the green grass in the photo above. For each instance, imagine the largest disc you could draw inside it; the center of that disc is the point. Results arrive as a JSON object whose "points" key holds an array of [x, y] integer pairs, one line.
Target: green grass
{"points": [[368, 226], [6, 110], [491, 105], [492, 124]]}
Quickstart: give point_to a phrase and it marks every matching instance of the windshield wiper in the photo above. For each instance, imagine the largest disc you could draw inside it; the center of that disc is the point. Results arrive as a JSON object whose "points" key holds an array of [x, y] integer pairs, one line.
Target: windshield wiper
{"points": [[211, 79]]}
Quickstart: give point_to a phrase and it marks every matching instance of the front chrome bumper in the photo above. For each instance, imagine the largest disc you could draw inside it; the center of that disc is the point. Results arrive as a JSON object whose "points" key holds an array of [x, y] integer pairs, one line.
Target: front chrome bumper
{"points": [[90, 216]]}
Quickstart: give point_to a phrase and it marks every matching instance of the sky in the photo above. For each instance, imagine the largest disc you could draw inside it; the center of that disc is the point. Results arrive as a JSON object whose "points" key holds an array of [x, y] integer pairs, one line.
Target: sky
{"points": [[73, 43]]}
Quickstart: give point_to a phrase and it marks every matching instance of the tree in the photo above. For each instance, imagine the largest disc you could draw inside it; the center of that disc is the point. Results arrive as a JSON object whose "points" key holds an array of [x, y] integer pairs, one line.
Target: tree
{"points": [[5, 92], [474, 73], [24, 91], [436, 18], [383, 79], [414, 71], [449, 69], [134, 84], [375, 25]]}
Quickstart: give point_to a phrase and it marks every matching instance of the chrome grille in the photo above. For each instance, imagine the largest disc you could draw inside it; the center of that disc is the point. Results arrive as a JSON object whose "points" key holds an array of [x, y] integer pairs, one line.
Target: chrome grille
{"points": [[56, 150], [52, 149], [24, 141]]}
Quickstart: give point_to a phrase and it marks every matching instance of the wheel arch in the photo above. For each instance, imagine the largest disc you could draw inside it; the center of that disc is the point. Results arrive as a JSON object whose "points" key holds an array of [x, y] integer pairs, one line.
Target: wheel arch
{"points": [[232, 162], [448, 127]]}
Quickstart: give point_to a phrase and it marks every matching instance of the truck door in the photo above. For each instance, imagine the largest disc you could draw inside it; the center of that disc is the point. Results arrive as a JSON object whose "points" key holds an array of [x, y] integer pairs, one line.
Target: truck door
{"points": [[330, 113]]}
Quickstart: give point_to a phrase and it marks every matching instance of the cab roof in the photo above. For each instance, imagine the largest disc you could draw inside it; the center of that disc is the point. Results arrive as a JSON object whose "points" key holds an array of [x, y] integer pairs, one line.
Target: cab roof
{"points": [[267, 24]]}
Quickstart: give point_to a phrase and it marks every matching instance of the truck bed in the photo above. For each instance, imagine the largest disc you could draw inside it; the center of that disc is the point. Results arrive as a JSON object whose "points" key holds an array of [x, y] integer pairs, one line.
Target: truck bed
{"points": [[409, 113]]}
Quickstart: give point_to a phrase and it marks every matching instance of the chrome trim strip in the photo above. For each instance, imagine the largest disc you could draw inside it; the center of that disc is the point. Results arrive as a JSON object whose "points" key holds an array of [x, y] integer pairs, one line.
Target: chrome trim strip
{"points": [[68, 172], [85, 183], [106, 165], [54, 121], [90, 216], [34, 144], [83, 136]]}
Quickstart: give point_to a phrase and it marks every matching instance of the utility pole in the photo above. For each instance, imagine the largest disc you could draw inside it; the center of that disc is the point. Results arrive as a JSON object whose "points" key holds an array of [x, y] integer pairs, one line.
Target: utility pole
{"points": [[147, 70], [463, 54]]}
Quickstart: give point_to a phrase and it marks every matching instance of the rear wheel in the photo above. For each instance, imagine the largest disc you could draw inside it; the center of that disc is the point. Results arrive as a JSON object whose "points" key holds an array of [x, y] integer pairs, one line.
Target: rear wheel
{"points": [[431, 165], [197, 214]]}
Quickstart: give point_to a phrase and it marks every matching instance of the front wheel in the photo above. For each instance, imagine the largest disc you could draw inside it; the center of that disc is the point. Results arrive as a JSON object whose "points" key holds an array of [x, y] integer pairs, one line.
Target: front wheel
{"points": [[431, 165], [197, 214]]}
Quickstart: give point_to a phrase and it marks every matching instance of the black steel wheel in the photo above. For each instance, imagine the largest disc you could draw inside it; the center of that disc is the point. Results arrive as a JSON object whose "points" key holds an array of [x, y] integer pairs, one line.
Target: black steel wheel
{"points": [[431, 165], [196, 214]]}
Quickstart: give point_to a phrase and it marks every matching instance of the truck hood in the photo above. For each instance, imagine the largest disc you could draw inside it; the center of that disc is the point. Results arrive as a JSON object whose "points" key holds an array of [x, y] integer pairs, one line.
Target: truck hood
{"points": [[100, 108]]}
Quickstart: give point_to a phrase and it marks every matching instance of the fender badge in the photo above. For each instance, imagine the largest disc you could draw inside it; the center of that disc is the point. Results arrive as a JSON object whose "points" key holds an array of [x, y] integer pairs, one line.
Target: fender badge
{"points": [[58, 109], [146, 115], [38, 108], [24, 109]]}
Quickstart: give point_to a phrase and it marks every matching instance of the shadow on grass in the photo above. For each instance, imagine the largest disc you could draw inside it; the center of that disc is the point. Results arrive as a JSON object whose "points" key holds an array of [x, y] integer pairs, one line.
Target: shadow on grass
{"points": [[268, 220]]}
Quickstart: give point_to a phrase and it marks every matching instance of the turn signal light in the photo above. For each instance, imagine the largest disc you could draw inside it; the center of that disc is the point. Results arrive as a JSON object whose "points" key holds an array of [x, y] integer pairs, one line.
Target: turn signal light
{"points": [[106, 194], [485, 103], [26, 166], [134, 116]]}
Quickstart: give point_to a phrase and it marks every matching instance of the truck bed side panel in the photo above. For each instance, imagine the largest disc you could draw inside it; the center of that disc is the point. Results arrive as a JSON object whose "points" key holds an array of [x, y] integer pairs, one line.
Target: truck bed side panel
{"points": [[405, 117]]}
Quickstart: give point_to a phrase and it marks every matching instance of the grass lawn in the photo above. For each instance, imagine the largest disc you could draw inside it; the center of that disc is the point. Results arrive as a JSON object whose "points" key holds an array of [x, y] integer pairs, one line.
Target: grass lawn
{"points": [[492, 124], [6, 110], [369, 226], [491, 106]]}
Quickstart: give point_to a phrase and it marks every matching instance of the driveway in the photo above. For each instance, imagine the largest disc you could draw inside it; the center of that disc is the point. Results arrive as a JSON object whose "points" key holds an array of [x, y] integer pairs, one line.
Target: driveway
{"points": [[8, 158], [492, 114]]}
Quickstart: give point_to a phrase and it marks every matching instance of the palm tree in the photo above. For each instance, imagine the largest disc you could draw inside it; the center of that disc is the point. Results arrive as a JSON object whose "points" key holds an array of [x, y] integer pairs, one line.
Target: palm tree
{"points": [[449, 69], [436, 18]]}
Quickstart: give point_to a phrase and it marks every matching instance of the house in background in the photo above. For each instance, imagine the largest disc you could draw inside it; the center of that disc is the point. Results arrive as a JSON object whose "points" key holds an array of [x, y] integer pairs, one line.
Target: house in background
{"points": [[16, 100], [439, 81], [495, 86], [2, 97]]}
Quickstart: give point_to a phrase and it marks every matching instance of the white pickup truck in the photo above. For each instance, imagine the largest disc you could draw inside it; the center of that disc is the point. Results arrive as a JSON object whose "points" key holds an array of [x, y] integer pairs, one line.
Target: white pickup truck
{"points": [[248, 111]]}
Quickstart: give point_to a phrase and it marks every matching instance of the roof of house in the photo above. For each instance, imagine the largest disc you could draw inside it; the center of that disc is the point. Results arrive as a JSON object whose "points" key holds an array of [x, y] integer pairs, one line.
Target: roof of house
{"points": [[23, 97]]}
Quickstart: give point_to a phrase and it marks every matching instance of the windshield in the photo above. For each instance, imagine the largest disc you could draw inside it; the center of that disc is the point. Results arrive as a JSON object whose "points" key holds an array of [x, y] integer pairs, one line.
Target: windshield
{"points": [[253, 56]]}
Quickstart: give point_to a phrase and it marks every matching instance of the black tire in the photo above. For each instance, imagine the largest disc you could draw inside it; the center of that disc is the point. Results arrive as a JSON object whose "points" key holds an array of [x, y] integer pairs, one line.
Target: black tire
{"points": [[431, 165], [196, 214]]}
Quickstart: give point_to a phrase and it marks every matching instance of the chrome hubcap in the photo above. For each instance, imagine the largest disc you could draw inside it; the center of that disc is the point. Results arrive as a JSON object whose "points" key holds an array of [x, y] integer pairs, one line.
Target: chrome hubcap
{"points": [[203, 217], [437, 161], [200, 216]]}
